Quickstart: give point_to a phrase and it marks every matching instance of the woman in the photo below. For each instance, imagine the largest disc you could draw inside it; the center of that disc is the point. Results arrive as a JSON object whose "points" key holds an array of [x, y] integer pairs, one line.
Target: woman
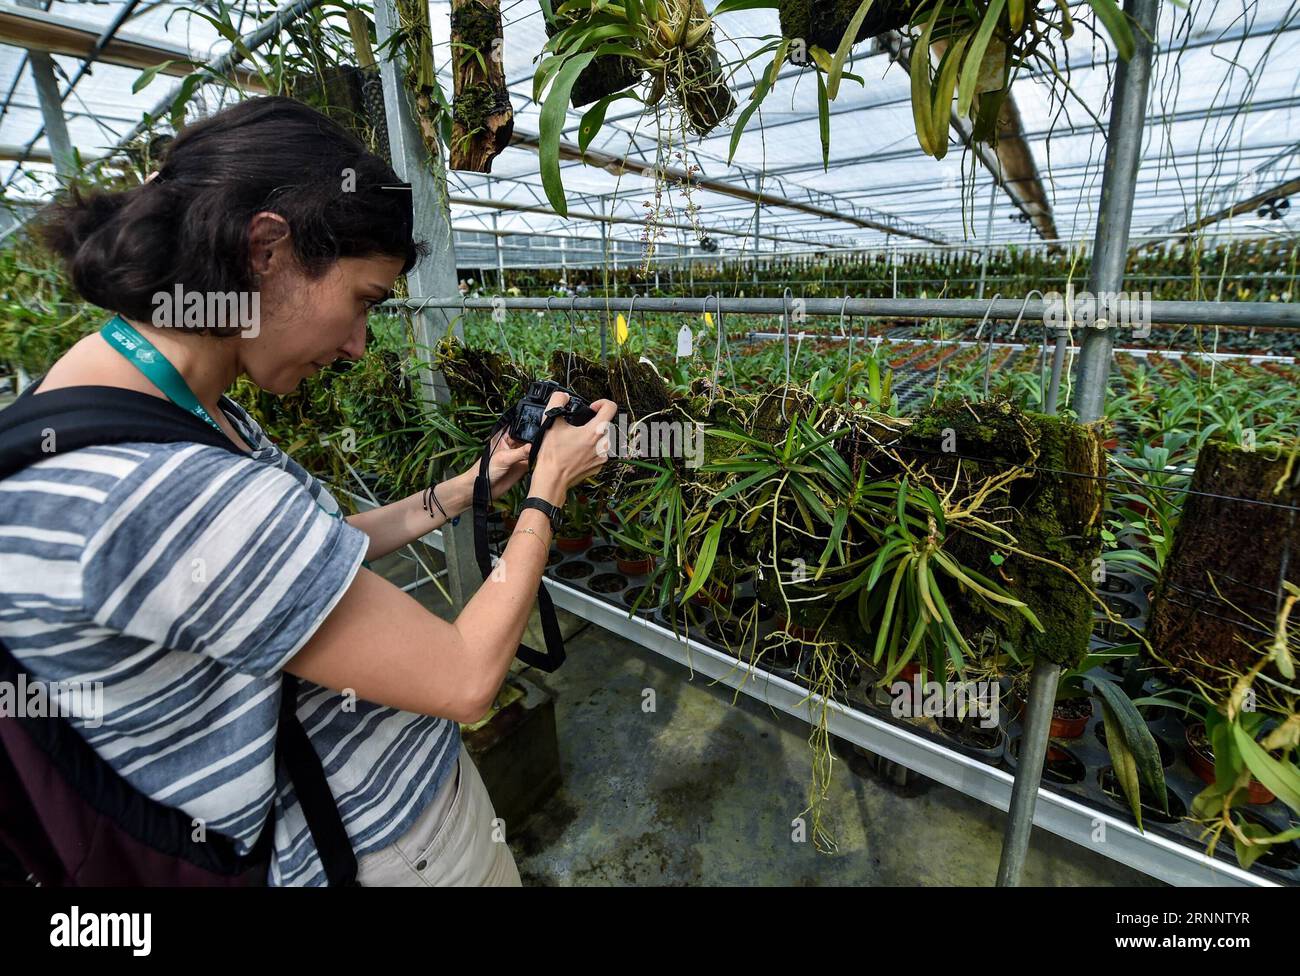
{"points": [[185, 577]]}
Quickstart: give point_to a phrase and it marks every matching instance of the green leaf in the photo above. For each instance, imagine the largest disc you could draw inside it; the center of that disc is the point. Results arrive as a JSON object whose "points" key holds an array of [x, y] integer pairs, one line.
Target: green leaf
{"points": [[1137, 739], [1116, 24], [824, 122], [704, 564], [842, 52], [941, 107], [883, 628], [970, 71], [810, 497], [742, 485], [542, 75], [1280, 778], [837, 532], [1122, 762], [1016, 12], [594, 118], [921, 90], [183, 95], [731, 6], [149, 74], [551, 122]]}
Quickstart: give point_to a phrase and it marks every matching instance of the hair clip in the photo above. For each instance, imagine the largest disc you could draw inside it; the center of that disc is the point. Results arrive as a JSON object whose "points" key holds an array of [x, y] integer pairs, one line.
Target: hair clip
{"points": [[394, 186]]}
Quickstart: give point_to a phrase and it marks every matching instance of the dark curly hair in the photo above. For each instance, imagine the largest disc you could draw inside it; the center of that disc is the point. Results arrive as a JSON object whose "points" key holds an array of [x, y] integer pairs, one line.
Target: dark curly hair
{"points": [[189, 225]]}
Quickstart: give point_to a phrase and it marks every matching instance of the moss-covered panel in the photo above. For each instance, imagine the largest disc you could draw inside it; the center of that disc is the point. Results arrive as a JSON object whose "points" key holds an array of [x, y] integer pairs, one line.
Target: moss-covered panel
{"points": [[1055, 512], [1217, 600]]}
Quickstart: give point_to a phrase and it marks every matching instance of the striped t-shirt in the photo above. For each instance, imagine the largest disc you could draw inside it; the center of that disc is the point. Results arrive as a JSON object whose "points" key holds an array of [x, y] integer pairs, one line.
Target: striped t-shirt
{"points": [[183, 577]]}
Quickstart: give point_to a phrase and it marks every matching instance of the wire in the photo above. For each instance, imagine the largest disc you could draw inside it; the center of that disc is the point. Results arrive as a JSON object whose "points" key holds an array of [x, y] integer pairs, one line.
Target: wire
{"points": [[1094, 477]]}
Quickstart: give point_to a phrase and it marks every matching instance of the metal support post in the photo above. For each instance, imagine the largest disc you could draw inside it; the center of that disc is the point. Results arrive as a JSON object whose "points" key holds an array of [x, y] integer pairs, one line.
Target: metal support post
{"points": [[1110, 250], [435, 275]]}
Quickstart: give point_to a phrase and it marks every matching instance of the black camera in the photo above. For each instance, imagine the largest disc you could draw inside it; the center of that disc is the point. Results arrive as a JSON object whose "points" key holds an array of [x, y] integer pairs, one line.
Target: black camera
{"points": [[528, 413]]}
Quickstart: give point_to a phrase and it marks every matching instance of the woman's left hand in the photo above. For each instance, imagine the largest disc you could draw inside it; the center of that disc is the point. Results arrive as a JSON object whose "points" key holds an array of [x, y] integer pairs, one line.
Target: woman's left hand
{"points": [[509, 463]]}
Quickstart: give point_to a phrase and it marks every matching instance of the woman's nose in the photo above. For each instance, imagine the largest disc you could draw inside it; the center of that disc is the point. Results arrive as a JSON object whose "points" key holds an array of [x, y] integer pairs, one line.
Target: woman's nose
{"points": [[355, 347]]}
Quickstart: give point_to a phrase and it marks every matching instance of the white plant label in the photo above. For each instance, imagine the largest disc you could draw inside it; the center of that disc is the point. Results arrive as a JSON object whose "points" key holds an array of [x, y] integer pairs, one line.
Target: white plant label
{"points": [[685, 342]]}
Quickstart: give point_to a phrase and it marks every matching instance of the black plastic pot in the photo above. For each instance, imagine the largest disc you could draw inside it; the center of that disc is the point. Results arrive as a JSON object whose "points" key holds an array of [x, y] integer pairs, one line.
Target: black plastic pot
{"points": [[709, 99], [822, 22], [605, 75]]}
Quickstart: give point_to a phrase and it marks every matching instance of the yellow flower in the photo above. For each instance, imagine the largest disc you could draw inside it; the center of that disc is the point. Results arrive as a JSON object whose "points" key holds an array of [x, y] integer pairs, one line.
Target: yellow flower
{"points": [[620, 329]]}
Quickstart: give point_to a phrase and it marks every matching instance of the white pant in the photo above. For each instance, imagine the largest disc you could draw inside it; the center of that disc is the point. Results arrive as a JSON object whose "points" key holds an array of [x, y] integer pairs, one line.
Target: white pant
{"points": [[462, 847]]}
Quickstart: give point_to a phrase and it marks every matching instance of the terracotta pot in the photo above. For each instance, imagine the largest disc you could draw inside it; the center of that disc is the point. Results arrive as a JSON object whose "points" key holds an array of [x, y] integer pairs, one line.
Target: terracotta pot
{"points": [[574, 544], [636, 567], [1202, 763], [1068, 728], [720, 594], [1061, 728]]}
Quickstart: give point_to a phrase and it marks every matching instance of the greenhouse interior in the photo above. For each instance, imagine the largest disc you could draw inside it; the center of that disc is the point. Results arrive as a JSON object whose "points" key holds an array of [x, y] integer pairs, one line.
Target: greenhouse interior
{"points": [[940, 358]]}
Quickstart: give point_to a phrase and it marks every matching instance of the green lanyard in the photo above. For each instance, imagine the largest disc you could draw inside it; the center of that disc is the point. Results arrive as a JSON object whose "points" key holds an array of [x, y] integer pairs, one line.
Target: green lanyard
{"points": [[144, 356]]}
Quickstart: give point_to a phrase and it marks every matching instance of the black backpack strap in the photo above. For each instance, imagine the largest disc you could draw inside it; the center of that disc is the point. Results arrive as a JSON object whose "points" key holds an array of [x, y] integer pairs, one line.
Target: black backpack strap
{"points": [[35, 427], [554, 655], [313, 790]]}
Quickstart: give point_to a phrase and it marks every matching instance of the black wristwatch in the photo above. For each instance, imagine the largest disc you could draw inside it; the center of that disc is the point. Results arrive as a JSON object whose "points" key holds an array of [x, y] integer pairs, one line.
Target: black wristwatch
{"points": [[552, 512]]}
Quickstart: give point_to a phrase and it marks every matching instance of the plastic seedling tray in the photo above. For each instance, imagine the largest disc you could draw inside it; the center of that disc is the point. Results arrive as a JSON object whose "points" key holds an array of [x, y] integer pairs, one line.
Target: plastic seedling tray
{"points": [[1077, 768]]}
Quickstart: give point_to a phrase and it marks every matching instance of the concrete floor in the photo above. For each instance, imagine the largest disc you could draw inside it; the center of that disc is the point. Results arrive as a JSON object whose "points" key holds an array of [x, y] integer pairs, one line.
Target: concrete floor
{"points": [[702, 790]]}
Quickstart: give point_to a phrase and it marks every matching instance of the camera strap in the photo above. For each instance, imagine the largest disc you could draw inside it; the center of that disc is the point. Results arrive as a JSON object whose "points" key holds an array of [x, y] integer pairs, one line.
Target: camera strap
{"points": [[553, 656]]}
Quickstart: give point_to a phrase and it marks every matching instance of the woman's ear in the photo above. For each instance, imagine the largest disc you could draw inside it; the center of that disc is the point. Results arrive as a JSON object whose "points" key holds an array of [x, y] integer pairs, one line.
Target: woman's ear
{"points": [[269, 246]]}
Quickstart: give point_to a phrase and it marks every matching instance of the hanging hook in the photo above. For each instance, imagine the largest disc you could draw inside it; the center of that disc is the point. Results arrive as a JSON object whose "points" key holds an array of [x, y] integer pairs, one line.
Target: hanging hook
{"points": [[501, 328], [717, 347], [1021, 314], [988, 352], [843, 306], [1042, 363], [568, 361]]}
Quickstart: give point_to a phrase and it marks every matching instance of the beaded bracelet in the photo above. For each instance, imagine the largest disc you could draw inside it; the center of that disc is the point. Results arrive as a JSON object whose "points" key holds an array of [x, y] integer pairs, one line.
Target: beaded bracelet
{"points": [[429, 493]]}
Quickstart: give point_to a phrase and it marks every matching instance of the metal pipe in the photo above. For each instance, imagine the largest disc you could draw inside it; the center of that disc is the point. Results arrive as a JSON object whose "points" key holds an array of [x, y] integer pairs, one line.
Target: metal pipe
{"points": [[436, 275], [83, 69], [835, 211], [1110, 253], [211, 71], [47, 95], [512, 207], [1058, 366], [1265, 314], [56, 126], [218, 66], [1029, 769], [1110, 247]]}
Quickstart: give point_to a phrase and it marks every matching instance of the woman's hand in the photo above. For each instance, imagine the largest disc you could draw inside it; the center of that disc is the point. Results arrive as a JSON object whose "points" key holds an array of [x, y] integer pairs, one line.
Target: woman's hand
{"points": [[509, 463], [570, 455]]}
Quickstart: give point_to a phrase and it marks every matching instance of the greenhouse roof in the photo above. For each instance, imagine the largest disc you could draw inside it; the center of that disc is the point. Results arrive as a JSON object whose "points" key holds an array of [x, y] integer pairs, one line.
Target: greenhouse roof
{"points": [[1223, 127]]}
